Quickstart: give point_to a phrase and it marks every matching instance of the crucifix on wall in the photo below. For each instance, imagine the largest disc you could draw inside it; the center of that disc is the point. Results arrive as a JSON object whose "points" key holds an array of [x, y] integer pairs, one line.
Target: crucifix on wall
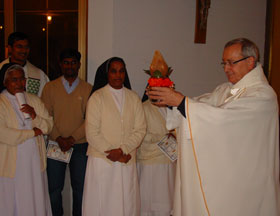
{"points": [[202, 7]]}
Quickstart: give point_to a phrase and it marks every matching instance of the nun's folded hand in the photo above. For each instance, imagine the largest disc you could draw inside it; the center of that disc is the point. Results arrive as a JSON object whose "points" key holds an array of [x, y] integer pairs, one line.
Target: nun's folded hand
{"points": [[114, 154], [125, 158]]}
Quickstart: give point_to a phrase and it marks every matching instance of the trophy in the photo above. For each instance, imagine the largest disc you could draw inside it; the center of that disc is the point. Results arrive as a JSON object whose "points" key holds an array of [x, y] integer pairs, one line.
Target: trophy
{"points": [[159, 72]]}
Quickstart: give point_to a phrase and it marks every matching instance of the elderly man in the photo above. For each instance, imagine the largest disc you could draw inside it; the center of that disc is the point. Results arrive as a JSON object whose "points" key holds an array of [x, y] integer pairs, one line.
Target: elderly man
{"points": [[228, 141], [66, 99], [18, 46], [23, 181]]}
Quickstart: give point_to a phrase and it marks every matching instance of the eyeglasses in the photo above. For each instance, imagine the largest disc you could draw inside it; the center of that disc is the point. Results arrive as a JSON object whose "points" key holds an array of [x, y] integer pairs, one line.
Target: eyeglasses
{"points": [[232, 63]]}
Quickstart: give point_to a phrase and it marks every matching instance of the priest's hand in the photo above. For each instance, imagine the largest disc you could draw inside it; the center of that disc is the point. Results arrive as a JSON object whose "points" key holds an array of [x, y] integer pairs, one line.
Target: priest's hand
{"points": [[165, 96]]}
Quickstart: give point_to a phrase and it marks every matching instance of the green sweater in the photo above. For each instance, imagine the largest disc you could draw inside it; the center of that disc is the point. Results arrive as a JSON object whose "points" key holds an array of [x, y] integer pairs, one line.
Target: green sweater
{"points": [[68, 110]]}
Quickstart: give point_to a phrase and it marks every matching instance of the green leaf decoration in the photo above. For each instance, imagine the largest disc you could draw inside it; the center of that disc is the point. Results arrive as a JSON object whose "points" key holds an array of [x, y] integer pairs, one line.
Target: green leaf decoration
{"points": [[157, 74]]}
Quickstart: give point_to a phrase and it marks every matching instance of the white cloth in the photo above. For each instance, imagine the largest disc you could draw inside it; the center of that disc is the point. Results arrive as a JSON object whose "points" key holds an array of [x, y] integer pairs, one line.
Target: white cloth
{"points": [[110, 189], [119, 98], [27, 192], [229, 151], [156, 182]]}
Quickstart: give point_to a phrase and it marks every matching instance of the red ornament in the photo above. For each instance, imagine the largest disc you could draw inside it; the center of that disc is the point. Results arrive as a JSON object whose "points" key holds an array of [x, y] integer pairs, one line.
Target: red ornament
{"points": [[160, 82]]}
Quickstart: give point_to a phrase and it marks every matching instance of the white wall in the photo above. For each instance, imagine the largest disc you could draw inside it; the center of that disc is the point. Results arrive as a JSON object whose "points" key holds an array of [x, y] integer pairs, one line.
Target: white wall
{"points": [[133, 29]]}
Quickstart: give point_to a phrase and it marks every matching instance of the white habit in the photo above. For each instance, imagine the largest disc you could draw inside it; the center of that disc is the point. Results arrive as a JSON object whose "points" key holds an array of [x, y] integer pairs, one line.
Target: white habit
{"points": [[27, 192], [114, 119], [156, 173]]}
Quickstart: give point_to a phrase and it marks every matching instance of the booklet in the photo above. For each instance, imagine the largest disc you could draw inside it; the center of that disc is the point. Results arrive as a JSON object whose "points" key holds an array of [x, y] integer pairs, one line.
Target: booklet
{"points": [[168, 145], [54, 152]]}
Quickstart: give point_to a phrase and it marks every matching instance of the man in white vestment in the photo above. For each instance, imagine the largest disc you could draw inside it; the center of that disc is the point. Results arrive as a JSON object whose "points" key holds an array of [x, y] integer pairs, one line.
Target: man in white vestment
{"points": [[228, 162], [115, 126], [23, 180], [18, 47]]}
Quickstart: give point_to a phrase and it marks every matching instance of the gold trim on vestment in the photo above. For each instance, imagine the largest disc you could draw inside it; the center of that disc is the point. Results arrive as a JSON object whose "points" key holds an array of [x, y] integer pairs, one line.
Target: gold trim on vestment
{"points": [[195, 157]]}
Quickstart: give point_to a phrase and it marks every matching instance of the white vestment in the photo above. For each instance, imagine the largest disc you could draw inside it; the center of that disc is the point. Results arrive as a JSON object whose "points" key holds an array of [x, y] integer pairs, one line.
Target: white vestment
{"points": [[228, 161]]}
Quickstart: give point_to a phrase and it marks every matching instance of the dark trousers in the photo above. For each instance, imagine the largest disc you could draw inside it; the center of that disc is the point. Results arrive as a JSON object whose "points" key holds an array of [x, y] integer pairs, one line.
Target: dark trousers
{"points": [[56, 176]]}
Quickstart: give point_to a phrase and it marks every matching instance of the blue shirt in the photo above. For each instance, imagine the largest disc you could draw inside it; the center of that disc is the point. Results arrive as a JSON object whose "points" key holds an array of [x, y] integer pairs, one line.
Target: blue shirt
{"points": [[69, 89]]}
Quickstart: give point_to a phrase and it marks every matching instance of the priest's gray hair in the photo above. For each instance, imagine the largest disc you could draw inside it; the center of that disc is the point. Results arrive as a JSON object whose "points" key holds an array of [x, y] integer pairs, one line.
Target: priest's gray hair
{"points": [[248, 48], [10, 69]]}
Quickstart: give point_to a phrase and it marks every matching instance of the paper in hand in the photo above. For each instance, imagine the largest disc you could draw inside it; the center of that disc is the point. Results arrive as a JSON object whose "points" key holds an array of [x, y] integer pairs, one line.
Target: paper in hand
{"points": [[54, 152]]}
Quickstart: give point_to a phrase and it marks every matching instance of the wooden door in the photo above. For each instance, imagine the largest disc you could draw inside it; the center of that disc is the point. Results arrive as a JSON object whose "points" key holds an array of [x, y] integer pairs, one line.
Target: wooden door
{"points": [[272, 55]]}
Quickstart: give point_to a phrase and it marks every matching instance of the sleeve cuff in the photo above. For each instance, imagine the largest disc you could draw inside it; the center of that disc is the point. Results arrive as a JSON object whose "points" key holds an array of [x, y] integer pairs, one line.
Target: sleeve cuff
{"points": [[181, 107]]}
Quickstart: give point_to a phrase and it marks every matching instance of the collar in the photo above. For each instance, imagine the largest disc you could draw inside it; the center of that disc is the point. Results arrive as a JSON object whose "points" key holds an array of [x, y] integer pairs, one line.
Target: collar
{"points": [[65, 81], [8, 94], [255, 76], [113, 89]]}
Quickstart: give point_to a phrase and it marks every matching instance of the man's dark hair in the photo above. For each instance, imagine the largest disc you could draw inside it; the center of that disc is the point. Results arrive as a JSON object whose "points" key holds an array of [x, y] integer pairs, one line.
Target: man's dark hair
{"points": [[70, 53], [16, 36]]}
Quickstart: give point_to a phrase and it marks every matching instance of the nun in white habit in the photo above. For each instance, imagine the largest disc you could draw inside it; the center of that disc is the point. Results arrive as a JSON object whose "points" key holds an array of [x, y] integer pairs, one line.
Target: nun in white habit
{"points": [[115, 126], [156, 172], [23, 182]]}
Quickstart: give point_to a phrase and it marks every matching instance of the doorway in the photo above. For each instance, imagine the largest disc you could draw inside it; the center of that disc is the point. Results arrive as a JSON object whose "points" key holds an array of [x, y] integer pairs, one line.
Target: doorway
{"points": [[51, 26]]}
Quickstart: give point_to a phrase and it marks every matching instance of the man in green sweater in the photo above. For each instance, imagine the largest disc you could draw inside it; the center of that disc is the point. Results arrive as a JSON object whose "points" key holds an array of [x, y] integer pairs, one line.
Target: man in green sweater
{"points": [[66, 99]]}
